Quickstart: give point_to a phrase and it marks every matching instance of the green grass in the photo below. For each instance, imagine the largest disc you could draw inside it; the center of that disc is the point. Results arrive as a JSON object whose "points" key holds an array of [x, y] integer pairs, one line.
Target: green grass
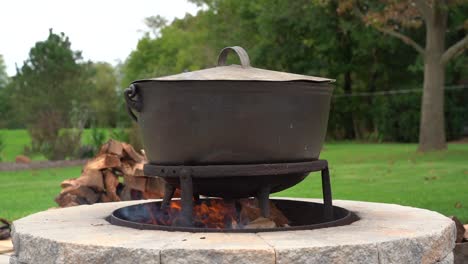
{"points": [[394, 173], [16, 139], [26, 192], [390, 173]]}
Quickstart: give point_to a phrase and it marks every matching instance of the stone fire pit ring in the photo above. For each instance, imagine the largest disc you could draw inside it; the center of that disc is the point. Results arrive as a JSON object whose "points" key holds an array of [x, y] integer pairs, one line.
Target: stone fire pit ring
{"points": [[385, 233]]}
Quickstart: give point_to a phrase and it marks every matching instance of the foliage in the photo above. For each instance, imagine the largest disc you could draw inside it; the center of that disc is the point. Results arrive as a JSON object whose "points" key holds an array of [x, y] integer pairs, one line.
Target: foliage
{"points": [[52, 87], [397, 18], [155, 24], [104, 99], [324, 38], [5, 103], [120, 134], [134, 137], [4, 79], [98, 138], [51, 79]]}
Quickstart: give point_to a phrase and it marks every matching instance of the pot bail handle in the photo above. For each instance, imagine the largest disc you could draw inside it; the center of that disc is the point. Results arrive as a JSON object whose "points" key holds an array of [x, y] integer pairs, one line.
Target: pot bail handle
{"points": [[243, 56], [133, 101]]}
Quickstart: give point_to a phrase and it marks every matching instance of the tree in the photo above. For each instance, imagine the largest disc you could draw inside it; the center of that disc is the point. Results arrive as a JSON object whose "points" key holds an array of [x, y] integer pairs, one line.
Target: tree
{"points": [[155, 24], [50, 86], [104, 100], [393, 17], [5, 104], [4, 79], [305, 37]]}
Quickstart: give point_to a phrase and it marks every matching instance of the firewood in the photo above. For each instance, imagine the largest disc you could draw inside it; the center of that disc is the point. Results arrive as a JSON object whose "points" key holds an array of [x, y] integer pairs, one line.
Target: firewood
{"points": [[105, 198], [92, 178], [131, 153], [138, 169], [277, 216], [103, 149], [155, 186], [126, 168], [135, 183], [144, 154], [22, 159], [250, 211], [115, 147], [126, 194], [111, 181], [84, 192], [465, 237], [103, 161], [67, 200], [69, 182], [261, 222]]}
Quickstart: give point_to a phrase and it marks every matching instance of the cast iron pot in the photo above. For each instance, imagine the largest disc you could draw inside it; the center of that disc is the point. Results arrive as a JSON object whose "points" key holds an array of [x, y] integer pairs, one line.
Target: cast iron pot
{"points": [[233, 114]]}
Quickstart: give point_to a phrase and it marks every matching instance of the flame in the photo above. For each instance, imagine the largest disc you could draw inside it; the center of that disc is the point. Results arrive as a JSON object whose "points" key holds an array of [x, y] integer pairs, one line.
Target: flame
{"points": [[208, 213]]}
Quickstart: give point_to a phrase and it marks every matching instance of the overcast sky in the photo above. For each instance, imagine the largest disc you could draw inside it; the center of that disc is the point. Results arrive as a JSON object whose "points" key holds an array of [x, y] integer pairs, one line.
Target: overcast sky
{"points": [[104, 30]]}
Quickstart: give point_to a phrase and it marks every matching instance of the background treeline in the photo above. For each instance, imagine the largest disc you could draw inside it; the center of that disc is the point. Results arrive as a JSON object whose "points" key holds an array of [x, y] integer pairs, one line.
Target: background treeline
{"points": [[56, 89], [314, 38]]}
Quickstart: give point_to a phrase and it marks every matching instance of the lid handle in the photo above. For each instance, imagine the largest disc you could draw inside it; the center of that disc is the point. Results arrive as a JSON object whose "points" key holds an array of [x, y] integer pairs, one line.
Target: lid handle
{"points": [[243, 56]]}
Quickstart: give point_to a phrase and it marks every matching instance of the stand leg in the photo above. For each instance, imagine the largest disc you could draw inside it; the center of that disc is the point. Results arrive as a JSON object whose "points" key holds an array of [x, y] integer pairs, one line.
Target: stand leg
{"points": [[264, 201], [196, 197], [168, 194], [327, 194], [186, 187]]}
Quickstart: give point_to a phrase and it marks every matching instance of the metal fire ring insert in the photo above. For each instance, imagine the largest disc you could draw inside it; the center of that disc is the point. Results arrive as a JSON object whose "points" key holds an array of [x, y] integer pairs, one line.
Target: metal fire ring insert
{"points": [[302, 215], [185, 174]]}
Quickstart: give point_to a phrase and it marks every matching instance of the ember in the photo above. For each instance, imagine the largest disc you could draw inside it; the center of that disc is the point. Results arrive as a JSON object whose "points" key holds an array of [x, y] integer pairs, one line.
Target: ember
{"points": [[232, 216], [218, 214]]}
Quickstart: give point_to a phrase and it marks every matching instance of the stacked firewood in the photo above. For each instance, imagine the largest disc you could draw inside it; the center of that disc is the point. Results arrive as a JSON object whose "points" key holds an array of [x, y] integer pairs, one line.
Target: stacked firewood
{"points": [[115, 174]]}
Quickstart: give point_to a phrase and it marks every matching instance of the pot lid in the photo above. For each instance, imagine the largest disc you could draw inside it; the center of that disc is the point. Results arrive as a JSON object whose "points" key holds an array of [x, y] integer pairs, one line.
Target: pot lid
{"points": [[243, 72]]}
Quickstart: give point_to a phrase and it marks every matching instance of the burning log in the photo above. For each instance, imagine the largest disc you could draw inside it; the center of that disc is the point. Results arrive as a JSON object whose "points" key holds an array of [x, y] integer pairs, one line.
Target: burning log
{"points": [[99, 180], [250, 212], [261, 222]]}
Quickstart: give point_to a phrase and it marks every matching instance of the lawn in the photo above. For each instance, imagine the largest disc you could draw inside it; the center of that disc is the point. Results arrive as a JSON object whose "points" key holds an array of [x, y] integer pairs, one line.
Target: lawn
{"points": [[27, 192], [16, 139], [394, 173], [390, 173]]}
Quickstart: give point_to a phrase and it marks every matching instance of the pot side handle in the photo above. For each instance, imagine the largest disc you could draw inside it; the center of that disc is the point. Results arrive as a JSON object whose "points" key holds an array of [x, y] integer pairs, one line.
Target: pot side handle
{"points": [[241, 53], [133, 100]]}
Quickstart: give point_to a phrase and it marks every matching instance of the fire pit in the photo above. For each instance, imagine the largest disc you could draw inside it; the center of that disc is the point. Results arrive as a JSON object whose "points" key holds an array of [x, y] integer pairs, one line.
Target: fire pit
{"points": [[179, 216], [231, 132], [301, 215], [385, 233]]}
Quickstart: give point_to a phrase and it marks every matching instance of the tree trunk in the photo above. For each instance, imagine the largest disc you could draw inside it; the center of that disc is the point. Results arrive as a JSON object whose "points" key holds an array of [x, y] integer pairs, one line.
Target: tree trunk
{"points": [[432, 126]]}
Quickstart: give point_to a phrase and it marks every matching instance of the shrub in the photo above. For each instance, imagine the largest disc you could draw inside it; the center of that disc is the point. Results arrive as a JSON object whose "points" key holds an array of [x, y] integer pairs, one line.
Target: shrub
{"points": [[120, 134], [134, 137], [52, 140], [397, 117]]}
